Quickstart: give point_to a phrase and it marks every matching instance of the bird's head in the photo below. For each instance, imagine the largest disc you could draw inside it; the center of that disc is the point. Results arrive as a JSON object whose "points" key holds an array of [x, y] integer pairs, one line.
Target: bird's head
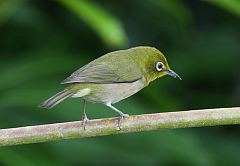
{"points": [[153, 63]]}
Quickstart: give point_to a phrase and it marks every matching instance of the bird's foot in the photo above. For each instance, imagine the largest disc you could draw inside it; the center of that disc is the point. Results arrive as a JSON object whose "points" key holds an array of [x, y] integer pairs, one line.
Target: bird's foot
{"points": [[84, 120], [120, 119]]}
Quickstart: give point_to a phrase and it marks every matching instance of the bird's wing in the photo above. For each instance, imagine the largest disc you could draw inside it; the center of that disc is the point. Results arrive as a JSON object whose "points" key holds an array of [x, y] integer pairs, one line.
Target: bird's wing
{"points": [[106, 72]]}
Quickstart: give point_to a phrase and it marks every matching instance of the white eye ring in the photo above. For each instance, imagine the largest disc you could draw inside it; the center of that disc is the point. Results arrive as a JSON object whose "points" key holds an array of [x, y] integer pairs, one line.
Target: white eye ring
{"points": [[159, 66]]}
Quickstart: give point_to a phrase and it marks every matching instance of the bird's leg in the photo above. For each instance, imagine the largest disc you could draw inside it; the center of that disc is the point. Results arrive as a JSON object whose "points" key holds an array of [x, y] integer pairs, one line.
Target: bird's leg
{"points": [[84, 116], [121, 115]]}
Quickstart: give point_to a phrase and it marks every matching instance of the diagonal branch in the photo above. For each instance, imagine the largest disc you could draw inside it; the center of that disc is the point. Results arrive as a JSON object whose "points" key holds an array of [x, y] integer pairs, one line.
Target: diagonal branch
{"points": [[99, 127]]}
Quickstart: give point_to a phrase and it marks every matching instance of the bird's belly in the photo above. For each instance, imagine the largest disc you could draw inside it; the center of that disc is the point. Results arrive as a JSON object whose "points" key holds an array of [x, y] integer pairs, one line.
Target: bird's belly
{"points": [[105, 93]]}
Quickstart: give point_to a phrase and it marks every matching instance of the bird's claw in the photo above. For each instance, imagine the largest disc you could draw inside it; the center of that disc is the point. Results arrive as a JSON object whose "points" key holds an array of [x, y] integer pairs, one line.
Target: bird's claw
{"points": [[120, 119], [84, 121]]}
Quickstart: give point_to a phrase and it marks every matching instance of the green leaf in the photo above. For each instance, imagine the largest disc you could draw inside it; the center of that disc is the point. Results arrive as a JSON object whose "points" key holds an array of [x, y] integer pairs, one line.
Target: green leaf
{"points": [[108, 27], [232, 6]]}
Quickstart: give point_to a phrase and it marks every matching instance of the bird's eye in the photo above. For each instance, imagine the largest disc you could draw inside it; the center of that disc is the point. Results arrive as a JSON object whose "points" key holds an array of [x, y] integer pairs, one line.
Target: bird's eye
{"points": [[159, 66]]}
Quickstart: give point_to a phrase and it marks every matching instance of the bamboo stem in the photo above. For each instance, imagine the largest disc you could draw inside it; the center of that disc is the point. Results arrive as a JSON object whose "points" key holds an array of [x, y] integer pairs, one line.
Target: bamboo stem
{"points": [[99, 127]]}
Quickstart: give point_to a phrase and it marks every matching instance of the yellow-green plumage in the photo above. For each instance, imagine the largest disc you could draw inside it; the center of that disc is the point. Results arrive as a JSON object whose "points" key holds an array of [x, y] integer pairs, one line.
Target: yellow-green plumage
{"points": [[114, 76]]}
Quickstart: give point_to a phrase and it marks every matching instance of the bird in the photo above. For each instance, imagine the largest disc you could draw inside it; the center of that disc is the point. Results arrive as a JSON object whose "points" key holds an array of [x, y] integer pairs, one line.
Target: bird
{"points": [[113, 77]]}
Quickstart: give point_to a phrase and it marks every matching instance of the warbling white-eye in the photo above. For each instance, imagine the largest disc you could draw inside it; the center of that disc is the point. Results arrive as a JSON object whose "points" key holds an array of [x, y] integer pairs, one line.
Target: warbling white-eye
{"points": [[113, 77]]}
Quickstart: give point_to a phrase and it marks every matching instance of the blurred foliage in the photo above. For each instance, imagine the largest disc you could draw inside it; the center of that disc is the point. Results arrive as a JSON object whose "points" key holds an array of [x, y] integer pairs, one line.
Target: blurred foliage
{"points": [[108, 27], [8, 8], [42, 42], [178, 9], [229, 5]]}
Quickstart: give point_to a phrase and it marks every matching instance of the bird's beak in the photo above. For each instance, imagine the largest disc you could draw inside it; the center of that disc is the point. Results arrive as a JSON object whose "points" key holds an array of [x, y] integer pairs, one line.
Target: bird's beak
{"points": [[172, 73]]}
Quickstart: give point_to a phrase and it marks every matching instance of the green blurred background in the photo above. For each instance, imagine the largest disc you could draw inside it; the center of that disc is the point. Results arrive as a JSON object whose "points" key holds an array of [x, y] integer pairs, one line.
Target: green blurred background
{"points": [[42, 42]]}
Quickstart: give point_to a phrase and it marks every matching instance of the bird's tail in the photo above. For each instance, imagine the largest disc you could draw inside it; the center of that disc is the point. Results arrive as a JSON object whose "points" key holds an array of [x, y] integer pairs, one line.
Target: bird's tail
{"points": [[56, 99]]}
